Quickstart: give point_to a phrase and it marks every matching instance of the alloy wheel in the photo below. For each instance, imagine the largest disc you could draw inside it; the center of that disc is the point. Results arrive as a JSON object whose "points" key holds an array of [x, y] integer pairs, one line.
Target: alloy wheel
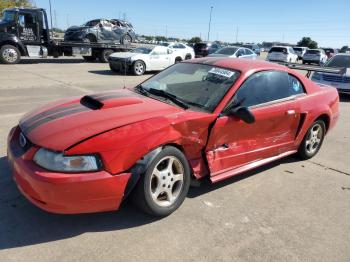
{"points": [[314, 139], [10, 55], [167, 181]]}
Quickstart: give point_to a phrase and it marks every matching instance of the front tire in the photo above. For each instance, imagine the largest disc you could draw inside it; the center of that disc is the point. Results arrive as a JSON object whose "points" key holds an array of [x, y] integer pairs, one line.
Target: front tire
{"points": [[9, 54], [138, 68], [164, 186], [312, 141]]}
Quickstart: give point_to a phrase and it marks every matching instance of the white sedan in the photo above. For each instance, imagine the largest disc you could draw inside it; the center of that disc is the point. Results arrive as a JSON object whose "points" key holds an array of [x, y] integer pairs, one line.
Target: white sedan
{"points": [[143, 59], [183, 50]]}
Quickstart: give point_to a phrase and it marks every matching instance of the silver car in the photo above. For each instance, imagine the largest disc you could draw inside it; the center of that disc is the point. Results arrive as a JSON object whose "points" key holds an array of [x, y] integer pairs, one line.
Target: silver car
{"points": [[234, 51], [300, 51], [315, 56], [342, 83]]}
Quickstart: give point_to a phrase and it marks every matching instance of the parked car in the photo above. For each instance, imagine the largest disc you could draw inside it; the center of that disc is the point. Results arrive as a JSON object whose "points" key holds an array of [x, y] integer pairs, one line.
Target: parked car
{"points": [[300, 51], [234, 51], [143, 59], [102, 30], [282, 54], [256, 49], [330, 52], [210, 117], [315, 56], [185, 51], [214, 47], [342, 83], [202, 49]]}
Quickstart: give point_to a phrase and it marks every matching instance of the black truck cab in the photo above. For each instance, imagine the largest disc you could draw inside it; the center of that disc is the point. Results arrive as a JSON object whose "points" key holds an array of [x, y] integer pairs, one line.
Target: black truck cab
{"points": [[20, 28]]}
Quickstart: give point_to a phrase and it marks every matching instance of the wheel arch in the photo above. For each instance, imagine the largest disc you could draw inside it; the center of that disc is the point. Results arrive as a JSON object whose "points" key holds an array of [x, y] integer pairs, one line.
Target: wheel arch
{"points": [[326, 119], [17, 44], [143, 61], [140, 167]]}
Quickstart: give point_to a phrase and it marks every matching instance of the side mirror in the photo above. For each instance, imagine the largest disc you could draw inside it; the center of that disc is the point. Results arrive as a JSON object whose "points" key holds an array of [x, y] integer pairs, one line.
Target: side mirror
{"points": [[243, 113]]}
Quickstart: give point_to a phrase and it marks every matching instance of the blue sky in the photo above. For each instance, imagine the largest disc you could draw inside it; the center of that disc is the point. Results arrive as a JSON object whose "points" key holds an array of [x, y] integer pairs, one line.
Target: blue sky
{"points": [[327, 22]]}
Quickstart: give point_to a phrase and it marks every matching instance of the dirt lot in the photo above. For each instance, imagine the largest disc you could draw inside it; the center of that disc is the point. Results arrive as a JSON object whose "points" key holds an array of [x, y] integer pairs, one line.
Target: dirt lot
{"points": [[286, 211]]}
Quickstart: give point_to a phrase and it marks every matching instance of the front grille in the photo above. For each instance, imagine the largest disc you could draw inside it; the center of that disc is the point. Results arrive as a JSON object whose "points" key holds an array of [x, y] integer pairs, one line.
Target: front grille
{"points": [[336, 78]]}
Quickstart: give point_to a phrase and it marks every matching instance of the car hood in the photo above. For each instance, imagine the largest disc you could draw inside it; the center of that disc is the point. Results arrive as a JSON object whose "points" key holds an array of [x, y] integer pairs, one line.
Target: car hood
{"points": [[219, 55], [124, 55], [62, 124]]}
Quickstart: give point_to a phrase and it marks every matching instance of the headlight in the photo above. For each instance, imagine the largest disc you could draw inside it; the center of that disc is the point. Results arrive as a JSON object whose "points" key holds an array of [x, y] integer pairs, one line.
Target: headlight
{"points": [[58, 162]]}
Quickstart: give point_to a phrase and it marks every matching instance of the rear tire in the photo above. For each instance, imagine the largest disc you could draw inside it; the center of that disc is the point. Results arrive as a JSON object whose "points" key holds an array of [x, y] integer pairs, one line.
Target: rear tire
{"points": [[312, 141], [188, 56], [126, 40], [9, 54], [105, 55], [164, 186]]}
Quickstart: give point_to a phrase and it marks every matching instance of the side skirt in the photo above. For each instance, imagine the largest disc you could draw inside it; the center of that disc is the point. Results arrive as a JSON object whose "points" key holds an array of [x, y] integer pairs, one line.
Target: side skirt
{"points": [[252, 165]]}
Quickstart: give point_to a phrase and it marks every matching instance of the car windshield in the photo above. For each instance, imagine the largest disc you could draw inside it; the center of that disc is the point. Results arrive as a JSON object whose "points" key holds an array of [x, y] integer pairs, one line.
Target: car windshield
{"points": [[197, 85], [164, 44], [200, 45], [328, 50], [339, 61], [314, 52], [142, 50], [8, 16], [298, 49], [278, 50], [227, 51]]}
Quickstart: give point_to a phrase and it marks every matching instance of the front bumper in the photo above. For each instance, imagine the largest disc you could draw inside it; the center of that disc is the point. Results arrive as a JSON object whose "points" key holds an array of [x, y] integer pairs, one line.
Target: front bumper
{"points": [[120, 64], [64, 193]]}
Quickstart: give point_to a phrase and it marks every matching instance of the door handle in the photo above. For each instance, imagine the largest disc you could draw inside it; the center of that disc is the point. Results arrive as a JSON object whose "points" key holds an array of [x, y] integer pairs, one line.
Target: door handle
{"points": [[291, 112]]}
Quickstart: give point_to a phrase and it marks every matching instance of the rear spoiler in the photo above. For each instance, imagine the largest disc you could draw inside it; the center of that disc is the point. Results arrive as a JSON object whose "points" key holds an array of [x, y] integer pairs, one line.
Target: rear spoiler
{"points": [[310, 69]]}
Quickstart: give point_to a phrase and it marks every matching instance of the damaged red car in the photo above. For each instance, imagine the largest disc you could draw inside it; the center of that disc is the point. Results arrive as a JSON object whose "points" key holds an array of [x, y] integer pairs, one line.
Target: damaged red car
{"points": [[215, 117]]}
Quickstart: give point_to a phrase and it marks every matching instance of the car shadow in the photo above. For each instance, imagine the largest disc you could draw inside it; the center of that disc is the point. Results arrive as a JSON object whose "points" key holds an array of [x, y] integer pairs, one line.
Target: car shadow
{"points": [[23, 224], [111, 73], [52, 60]]}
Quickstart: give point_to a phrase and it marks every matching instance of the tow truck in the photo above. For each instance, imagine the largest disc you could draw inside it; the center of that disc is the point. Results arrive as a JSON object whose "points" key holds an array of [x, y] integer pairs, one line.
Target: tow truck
{"points": [[25, 32]]}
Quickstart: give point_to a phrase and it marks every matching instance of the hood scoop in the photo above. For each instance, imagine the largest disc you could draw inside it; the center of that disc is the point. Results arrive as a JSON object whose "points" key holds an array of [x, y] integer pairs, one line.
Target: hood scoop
{"points": [[91, 102], [96, 103]]}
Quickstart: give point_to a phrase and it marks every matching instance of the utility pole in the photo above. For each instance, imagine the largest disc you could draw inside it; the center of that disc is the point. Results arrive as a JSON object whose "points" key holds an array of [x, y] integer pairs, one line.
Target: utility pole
{"points": [[237, 29], [166, 31], [55, 16], [51, 18], [67, 20], [211, 10]]}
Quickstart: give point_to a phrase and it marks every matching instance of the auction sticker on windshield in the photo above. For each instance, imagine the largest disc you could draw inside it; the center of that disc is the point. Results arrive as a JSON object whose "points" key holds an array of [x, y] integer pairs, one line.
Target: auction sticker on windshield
{"points": [[221, 72]]}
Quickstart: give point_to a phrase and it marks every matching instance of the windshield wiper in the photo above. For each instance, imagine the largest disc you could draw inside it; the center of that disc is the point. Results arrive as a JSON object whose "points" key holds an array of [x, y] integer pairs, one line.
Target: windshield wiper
{"points": [[169, 96], [142, 90]]}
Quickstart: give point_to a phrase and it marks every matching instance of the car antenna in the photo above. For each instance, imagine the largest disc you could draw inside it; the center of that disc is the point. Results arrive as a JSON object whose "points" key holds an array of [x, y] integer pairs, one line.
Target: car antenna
{"points": [[124, 78]]}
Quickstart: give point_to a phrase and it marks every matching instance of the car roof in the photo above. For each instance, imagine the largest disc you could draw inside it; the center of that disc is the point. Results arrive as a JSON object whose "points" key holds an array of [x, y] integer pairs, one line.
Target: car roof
{"points": [[342, 54], [242, 65], [281, 46]]}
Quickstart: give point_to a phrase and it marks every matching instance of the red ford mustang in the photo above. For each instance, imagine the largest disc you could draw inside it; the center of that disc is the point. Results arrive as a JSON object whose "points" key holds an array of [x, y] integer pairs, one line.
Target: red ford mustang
{"points": [[215, 117]]}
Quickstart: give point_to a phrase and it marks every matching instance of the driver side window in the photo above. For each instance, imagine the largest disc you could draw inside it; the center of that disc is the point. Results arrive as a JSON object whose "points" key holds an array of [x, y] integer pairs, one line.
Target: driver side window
{"points": [[267, 86]]}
